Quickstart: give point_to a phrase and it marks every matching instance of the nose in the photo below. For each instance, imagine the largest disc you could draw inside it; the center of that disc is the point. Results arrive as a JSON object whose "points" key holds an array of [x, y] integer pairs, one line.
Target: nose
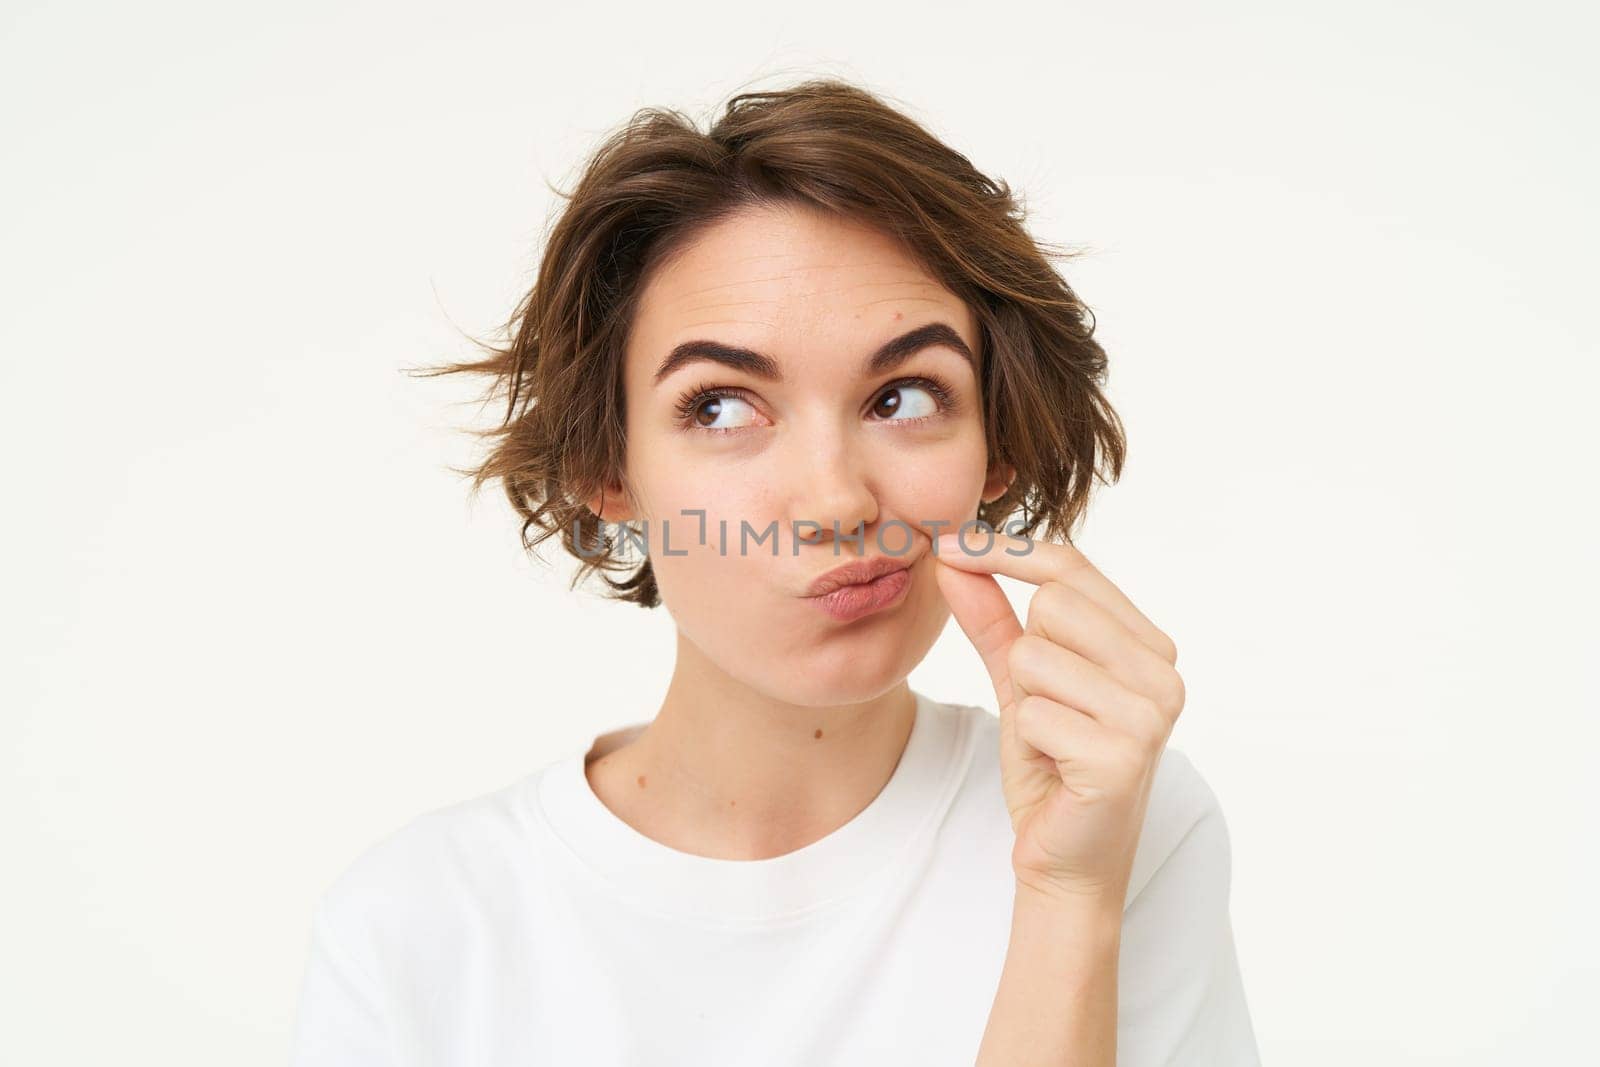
{"points": [[832, 486]]}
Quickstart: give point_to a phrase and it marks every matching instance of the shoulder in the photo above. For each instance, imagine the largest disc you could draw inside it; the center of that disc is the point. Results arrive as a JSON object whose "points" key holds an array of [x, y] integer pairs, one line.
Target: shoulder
{"points": [[418, 882], [1185, 834]]}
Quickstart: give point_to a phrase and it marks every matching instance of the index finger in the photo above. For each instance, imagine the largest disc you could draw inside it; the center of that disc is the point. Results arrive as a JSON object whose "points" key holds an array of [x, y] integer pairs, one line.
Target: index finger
{"points": [[1039, 562]]}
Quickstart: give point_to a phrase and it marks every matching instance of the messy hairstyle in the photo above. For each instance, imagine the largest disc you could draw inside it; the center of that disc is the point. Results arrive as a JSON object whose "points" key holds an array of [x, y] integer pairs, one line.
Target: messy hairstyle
{"points": [[657, 181]]}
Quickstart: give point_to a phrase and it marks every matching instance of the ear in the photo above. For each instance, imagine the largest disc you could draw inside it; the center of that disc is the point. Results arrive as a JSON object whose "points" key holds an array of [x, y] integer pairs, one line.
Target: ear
{"points": [[614, 503], [1001, 475]]}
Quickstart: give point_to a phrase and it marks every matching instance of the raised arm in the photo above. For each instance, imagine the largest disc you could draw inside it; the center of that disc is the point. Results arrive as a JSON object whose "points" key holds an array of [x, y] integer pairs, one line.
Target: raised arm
{"points": [[1088, 694]]}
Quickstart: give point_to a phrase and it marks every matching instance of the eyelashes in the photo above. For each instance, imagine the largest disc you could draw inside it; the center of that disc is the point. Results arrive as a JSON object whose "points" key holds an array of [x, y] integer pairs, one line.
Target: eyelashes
{"points": [[689, 402]]}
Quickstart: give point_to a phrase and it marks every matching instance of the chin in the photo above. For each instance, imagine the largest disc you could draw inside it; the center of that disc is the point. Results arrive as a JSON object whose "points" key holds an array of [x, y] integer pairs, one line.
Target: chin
{"points": [[817, 692], [857, 668]]}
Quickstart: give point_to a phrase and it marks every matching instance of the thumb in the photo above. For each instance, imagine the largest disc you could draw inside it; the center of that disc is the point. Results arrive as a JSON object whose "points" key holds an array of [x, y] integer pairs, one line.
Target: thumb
{"points": [[986, 617], [1027, 774]]}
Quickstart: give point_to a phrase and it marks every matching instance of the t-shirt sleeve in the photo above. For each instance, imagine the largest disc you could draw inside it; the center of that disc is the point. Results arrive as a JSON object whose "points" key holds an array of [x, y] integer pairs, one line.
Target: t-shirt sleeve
{"points": [[340, 1018], [1187, 1005]]}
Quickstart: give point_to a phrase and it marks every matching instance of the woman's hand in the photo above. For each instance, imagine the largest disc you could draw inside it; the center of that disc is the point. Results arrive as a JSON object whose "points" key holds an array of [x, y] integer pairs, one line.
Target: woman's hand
{"points": [[1088, 695]]}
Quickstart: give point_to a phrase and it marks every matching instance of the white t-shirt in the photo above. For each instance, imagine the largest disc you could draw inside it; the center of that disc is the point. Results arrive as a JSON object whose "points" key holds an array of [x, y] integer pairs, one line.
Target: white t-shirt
{"points": [[533, 926]]}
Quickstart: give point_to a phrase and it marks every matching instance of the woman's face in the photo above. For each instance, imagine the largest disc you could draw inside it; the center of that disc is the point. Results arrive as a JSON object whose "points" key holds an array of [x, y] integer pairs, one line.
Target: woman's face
{"points": [[800, 428]]}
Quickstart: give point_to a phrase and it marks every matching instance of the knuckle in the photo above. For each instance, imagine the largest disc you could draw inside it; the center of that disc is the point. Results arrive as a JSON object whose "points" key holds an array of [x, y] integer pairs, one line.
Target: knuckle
{"points": [[1132, 758], [1148, 710], [1180, 693], [1035, 613], [1032, 712], [1156, 740], [1152, 720], [1025, 651], [1046, 602], [1056, 594], [1167, 647], [1173, 694]]}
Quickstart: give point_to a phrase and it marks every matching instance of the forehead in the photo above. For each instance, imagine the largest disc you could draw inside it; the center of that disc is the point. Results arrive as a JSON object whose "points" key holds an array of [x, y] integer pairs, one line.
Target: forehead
{"points": [[790, 273]]}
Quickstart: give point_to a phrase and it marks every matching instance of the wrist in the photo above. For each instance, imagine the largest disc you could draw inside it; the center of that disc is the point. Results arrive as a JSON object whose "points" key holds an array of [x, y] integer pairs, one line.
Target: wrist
{"points": [[1070, 944], [1081, 913]]}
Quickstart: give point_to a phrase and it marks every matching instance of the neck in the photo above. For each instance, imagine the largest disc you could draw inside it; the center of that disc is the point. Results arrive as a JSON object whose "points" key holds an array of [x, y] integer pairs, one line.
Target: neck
{"points": [[731, 772]]}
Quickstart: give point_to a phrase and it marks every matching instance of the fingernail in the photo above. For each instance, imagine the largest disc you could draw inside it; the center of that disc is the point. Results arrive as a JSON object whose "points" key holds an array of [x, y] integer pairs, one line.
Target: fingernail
{"points": [[947, 545]]}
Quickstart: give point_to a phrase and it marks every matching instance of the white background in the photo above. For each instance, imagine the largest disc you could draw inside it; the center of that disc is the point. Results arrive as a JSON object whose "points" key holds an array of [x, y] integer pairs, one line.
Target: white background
{"points": [[1342, 256]]}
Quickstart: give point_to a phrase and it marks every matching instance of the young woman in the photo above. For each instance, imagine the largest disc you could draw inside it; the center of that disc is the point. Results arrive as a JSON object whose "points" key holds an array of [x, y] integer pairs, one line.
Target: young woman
{"points": [[793, 375]]}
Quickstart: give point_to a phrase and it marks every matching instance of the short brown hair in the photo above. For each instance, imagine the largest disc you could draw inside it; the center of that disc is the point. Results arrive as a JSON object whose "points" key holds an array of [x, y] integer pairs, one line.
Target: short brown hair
{"points": [[658, 180]]}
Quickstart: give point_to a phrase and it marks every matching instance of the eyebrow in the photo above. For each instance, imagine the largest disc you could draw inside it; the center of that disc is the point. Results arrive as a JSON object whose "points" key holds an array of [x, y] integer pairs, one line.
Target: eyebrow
{"points": [[889, 355]]}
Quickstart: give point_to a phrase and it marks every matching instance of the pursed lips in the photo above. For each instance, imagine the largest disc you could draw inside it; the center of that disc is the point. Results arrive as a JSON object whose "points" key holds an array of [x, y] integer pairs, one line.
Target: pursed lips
{"points": [[858, 572]]}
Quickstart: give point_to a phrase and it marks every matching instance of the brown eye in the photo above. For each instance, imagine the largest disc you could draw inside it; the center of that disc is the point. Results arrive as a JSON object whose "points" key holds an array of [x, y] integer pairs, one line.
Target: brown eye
{"points": [[701, 410], [892, 407], [706, 412]]}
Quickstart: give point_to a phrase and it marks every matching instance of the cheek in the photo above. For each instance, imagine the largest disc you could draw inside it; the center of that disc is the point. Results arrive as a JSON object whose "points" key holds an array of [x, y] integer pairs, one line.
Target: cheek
{"points": [[940, 483], [691, 503], [704, 497]]}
